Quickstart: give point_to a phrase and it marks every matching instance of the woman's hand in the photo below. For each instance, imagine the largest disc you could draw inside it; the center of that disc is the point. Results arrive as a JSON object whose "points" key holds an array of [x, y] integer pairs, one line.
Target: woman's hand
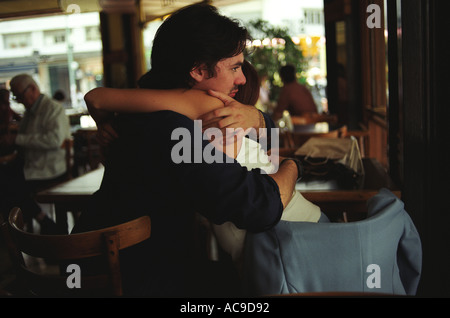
{"points": [[106, 134], [233, 115]]}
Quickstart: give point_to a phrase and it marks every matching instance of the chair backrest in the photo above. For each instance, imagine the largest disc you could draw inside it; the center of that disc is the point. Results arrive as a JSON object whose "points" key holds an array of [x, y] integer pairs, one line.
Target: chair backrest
{"points": [[363, 140], [67, 249], [314, 118], [298, 139], [88, 150]]}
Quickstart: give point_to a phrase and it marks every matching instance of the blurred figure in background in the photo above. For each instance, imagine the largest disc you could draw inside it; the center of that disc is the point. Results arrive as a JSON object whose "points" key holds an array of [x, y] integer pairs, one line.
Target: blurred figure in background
{"points": [[40, 137], [264, 104], [12, 180], [61, 98], [7, 115], [294, 97], [7, 119]]}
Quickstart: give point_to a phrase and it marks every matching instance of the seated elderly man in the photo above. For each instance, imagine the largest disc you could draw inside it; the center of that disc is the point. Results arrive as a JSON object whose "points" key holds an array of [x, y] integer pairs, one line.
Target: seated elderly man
{"points": [[41, 134]]}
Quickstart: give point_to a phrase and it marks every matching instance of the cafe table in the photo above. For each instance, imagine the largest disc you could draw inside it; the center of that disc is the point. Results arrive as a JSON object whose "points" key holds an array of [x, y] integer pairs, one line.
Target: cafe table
{"points": [[73, 195]]}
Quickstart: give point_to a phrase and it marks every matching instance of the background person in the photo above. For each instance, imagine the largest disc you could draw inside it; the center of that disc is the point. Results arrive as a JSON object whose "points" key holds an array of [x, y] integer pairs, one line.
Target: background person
{"points": [[12, 181], [7, 115], [41, 134], [294, 97]]}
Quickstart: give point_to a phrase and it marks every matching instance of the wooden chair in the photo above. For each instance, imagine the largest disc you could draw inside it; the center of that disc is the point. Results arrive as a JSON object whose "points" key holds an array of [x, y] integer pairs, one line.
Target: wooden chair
{"points": [[87, 150], [296, 140], [343, 131], [313, 119], [361, 135], [105, 243]]}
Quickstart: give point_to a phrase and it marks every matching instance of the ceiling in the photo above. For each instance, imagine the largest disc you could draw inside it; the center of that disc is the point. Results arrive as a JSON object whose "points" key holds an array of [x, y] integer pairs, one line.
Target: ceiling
{"points": [[157, 8], [151, 9]]}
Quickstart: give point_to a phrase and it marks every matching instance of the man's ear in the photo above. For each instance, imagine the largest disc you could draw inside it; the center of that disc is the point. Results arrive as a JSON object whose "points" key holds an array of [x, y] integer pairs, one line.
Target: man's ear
{"points": [[199, 73]]}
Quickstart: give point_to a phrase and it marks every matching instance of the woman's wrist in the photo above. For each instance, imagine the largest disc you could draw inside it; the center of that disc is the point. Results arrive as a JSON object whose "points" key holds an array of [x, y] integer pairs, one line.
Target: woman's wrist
{"points": [[298, 164]]}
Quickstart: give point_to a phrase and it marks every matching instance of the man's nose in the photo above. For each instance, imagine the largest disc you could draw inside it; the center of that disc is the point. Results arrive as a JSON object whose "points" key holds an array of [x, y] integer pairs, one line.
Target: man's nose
{"points": [[241, 80]]}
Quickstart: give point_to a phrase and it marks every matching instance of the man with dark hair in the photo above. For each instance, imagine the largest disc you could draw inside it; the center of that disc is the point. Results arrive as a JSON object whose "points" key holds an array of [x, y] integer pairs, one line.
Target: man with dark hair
{"points": [[141, 177], [206, 37], [176, 51]]}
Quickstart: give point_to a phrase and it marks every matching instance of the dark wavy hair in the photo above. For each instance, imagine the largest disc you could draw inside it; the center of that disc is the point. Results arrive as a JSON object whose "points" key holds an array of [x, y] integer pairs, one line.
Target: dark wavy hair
{"points": [[248, 93], [192, 36]]}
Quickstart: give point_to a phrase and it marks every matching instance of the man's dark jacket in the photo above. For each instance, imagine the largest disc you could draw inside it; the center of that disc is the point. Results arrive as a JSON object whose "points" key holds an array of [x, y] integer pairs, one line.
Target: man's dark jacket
{"points": [[141, 178]]}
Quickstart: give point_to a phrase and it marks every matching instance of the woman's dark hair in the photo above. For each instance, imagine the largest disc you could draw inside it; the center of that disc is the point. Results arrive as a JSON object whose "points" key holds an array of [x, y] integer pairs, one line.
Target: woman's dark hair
{"points": [[248, 93], [192, 36]]}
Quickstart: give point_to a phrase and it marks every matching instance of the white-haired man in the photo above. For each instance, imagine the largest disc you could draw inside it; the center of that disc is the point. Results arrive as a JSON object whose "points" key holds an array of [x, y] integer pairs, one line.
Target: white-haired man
{"points": [[41, 134]]}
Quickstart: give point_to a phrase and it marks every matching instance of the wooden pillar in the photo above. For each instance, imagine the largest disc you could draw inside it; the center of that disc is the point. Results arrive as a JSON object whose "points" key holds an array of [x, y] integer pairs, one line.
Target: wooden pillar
{"points": [[424, 96], [340, 62], [123, 53], [373, 57]]}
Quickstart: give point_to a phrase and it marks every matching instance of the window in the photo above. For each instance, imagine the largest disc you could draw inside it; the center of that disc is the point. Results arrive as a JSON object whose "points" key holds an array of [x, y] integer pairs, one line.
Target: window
{"points": [[17, 40], [93, 33], [313, 16], [54, 37]]}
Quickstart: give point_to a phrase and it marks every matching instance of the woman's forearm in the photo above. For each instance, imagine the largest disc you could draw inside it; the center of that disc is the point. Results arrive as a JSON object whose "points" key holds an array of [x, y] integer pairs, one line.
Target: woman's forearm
{"points": [[100, 116], [191, 103], [123, 100], [103, 102]]}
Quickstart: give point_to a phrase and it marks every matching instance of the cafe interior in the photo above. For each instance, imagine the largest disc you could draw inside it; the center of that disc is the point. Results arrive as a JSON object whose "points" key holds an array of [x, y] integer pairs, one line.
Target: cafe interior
{"points": [[392, 125]]}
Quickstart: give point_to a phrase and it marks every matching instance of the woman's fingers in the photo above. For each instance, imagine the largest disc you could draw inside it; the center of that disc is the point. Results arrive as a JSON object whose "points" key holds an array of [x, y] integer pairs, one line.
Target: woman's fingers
{"points": [[223, 97]]}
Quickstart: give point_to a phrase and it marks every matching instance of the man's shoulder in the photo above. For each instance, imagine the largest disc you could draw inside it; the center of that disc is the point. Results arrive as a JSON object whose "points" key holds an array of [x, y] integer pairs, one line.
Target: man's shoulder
{"points": [[168, 115], [48, 103], [161, 120]]}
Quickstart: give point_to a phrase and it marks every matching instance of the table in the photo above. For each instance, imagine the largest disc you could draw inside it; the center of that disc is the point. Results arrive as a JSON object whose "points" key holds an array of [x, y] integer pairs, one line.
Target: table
{"points": [[334, 200], [73, 195]]}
